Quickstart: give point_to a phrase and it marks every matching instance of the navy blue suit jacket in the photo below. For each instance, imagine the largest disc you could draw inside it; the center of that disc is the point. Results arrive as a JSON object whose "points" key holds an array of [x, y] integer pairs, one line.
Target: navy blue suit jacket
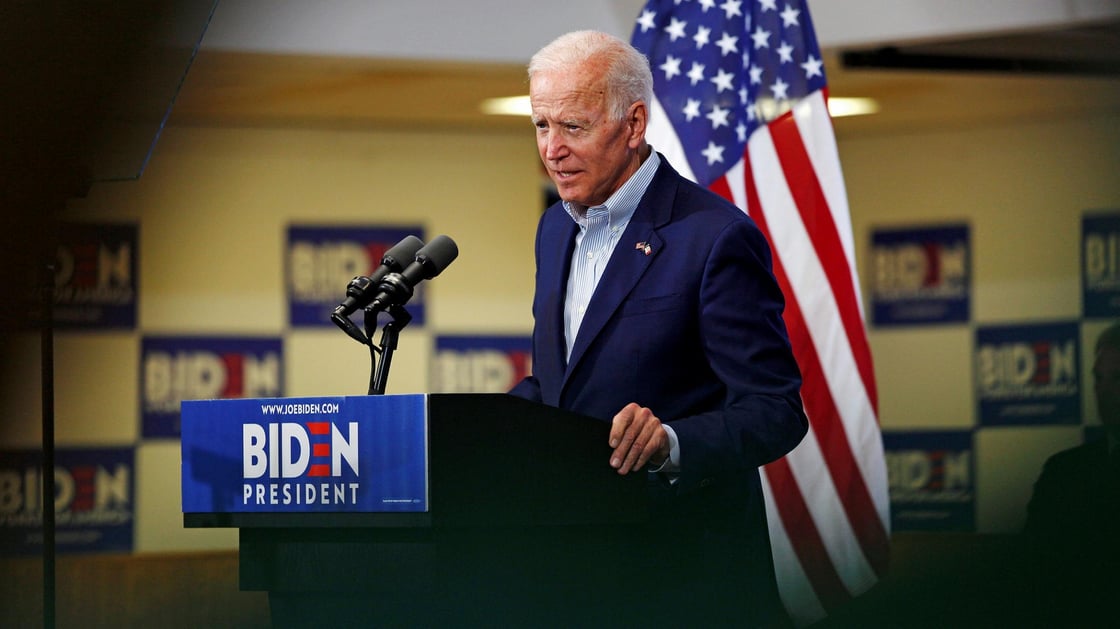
{"points": [[691, 328]]}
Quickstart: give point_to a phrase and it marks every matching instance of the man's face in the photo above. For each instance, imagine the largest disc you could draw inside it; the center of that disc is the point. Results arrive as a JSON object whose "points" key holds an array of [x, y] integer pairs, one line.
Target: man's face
{"points": [[586, 153], [1106, 386]]}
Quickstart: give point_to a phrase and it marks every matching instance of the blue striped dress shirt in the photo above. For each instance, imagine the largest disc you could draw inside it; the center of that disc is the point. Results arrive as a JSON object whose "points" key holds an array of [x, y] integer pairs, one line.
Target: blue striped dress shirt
{"points": [[600, 228]]}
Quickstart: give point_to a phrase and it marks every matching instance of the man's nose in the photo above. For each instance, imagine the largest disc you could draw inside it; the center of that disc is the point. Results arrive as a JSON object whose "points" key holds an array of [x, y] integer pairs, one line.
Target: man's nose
{"points": [[555, 148]]}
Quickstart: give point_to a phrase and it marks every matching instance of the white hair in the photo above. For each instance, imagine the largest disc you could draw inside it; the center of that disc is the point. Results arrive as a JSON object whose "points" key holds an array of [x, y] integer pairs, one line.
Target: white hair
{"points": [[627, 73]]}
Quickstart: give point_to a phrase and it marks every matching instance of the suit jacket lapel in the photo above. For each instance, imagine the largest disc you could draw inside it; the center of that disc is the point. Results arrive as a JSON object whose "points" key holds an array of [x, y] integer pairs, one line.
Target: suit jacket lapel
{"points": [[628, 262]]}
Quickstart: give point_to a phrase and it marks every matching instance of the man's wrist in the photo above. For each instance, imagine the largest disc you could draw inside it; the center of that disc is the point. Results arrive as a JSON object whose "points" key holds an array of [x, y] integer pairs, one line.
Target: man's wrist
{"points": [[672, 462]]}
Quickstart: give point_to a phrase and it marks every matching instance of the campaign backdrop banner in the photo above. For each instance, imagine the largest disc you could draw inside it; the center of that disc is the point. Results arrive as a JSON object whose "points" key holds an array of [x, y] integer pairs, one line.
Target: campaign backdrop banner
{"points": [[931, 480], [94, 508], [96, 280], [322, 454], [480, 364], [1028, 374], [920, 275], [177, 368], [1100, 264], [321, 261]]}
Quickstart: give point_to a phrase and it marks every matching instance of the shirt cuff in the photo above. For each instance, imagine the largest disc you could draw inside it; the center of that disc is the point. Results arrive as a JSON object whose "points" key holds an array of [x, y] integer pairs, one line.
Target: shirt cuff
{"points": [[672, 464]]}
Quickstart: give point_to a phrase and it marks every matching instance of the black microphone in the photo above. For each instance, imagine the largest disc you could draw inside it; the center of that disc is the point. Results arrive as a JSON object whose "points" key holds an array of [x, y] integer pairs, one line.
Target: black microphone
{"points": [[361, 290], [397, 288]]}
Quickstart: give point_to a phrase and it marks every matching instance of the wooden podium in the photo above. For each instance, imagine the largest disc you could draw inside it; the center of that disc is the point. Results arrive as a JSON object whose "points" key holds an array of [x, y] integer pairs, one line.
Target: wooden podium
{"points": [[524, 522]]}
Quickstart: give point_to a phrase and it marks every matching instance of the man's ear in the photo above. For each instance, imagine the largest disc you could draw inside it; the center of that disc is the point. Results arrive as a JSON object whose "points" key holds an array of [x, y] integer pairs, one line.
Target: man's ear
{"points": [[637, 117]]}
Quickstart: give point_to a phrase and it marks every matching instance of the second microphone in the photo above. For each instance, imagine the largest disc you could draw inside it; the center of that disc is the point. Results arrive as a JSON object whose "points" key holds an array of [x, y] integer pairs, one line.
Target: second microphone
{"points": [[395, 289]]}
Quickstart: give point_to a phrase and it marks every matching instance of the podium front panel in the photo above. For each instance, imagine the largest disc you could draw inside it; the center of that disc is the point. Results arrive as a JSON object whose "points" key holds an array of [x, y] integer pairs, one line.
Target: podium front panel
{"points": [[291, 456]]}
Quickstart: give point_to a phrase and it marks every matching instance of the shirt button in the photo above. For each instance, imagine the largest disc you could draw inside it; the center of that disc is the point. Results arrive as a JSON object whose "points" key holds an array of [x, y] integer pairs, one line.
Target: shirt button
{"points": [[590, 255]]}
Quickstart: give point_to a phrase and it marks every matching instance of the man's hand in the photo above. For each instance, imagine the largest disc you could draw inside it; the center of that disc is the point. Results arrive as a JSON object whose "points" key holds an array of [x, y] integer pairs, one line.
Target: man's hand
{"points": [[637, 437]]}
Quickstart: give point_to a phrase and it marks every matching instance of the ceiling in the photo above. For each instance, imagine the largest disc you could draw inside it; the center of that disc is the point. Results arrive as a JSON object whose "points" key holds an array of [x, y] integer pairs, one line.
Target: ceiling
{"points": [[1091, 48], [1013, 77]]}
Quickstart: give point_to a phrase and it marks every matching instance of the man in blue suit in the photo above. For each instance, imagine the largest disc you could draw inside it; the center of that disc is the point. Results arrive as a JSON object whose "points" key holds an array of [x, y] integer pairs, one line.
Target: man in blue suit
{"points": [[656, 309]]}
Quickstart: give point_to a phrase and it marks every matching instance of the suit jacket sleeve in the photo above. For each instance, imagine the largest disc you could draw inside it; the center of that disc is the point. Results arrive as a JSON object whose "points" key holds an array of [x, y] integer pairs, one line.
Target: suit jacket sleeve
{"points": [[746, 344]]}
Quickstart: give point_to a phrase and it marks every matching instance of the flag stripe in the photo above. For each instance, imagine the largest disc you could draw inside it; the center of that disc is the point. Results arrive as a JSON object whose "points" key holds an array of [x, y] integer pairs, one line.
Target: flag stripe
{"points": [[810, 202], [863, 428], [816, 129], [827, 445], [791, 241], [854, 497], [809, 470], [750, 83], [795, 589], [820, 401], [807, 543], [794, 511]]}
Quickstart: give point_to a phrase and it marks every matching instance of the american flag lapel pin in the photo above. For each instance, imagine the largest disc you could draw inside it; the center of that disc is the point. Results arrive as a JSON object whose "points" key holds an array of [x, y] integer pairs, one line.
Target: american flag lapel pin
{"points": [[644, 248]]}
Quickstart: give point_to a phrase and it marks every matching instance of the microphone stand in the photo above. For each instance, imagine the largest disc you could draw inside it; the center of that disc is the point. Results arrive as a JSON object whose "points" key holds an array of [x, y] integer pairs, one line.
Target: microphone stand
{"points": [[390, 334]]}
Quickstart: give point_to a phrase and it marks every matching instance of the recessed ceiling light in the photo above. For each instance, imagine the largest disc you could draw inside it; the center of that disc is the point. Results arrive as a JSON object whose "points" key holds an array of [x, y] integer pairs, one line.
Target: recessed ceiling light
{"points": [[508, 106], [838, 106]]}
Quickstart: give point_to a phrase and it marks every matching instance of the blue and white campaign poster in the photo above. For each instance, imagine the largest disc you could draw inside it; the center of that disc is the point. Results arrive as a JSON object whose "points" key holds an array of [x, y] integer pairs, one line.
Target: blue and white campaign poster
{"points": [[1028, 374], [931, 480], [354, 454], [177, 368], [1100, 264], [321, 261], [920, 275], [93, 505], [480, 364], [96, 276]]}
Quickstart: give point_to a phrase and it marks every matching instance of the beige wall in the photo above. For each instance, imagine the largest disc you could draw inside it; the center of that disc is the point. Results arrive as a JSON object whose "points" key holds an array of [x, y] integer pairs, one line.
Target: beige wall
{"points": [[1022, 188], [213, 207], [214, 203]]}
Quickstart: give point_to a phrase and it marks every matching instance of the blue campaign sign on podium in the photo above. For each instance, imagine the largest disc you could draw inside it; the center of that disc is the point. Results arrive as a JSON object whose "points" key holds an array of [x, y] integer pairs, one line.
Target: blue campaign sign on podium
{"points": [[351, 454]]}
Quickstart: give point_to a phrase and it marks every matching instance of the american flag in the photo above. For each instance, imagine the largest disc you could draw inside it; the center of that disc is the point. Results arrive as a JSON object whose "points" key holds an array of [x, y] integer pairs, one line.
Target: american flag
{"points": [[740, 106]]}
